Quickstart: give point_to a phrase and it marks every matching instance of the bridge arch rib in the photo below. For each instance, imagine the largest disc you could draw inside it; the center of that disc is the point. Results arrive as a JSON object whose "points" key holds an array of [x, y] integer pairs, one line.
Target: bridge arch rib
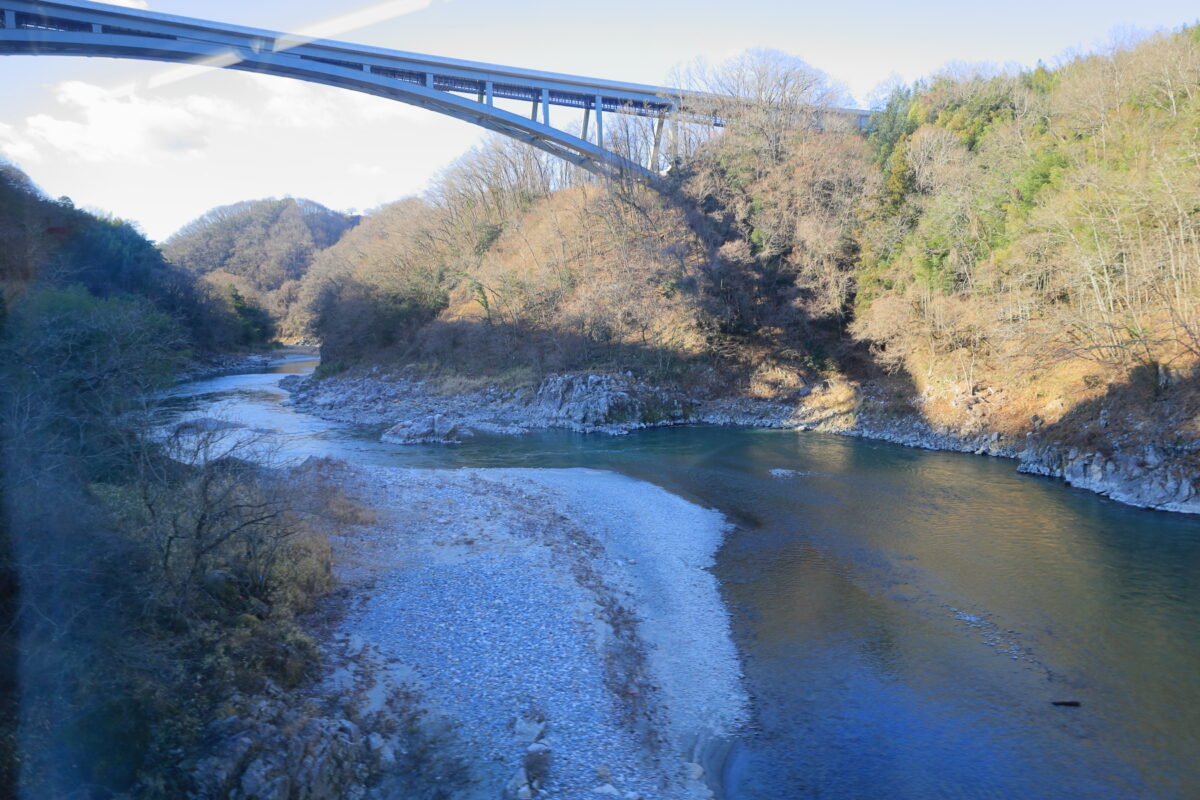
{"points": [[465, 90]]}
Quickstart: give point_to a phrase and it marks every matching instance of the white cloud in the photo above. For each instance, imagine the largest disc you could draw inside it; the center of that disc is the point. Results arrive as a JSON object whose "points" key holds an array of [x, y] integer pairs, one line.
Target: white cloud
{"points": [[15, 147], [93, 124], [154, 122], [296, 104], [142, 4]]}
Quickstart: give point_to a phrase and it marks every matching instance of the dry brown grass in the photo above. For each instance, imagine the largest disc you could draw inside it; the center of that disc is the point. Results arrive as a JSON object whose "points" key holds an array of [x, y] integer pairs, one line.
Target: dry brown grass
{"points": [[772, 380], [348, 511], [453, 383], [320, 492]]}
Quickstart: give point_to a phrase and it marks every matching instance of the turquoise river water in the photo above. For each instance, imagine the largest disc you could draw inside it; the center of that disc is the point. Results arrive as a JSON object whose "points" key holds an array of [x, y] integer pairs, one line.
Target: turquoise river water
{"points": [[906, 619]]}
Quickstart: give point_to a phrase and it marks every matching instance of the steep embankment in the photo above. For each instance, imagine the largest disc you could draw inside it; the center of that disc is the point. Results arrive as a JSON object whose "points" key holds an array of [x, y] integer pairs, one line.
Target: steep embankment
{"points": [[137, 632]]}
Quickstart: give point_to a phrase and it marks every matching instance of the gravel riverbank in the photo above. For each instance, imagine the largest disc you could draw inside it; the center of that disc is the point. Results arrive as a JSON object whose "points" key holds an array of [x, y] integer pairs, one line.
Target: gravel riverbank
{"points": [[564, 620]]}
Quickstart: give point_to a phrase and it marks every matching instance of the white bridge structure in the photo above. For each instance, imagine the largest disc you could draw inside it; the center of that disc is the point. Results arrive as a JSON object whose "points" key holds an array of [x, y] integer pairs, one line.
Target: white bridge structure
{"points": [[466, 90]]}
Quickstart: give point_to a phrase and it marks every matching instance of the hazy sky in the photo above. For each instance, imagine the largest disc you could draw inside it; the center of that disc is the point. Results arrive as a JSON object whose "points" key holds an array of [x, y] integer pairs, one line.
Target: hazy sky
{"points": [[162, 156]]}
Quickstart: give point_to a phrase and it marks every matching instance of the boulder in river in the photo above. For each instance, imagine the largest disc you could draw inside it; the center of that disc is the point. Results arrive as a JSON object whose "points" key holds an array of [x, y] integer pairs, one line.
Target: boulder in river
{"points": [[434, 429]]}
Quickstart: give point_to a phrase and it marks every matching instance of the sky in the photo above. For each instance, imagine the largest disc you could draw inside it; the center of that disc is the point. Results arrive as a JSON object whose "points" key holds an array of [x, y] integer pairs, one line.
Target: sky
{"points": [[115, 137]]}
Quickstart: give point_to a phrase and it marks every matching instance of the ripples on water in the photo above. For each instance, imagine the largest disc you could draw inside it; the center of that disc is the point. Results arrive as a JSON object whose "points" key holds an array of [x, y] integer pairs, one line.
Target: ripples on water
{"points": [[906, 618]]}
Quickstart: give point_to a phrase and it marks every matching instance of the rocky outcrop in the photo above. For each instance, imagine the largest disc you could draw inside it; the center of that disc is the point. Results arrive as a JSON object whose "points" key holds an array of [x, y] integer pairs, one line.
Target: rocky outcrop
{"points": [[1147, 478], [223, 364], [359, 734], [317, 757], [587, 403], [1150, 466], [604, 403]]}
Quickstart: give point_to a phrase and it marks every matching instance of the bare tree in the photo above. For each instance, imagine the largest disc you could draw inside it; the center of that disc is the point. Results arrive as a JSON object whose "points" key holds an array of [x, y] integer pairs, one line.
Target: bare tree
{"points": [[765, 96]]}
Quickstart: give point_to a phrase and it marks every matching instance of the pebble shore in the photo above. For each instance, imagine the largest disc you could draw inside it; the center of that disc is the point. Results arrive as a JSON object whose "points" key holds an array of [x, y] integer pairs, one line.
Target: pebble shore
{"points": [[562, 619]]}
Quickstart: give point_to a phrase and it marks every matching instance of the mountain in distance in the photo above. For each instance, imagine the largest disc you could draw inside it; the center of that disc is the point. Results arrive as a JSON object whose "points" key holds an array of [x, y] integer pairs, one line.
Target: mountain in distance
{"points": [[260, 248]]}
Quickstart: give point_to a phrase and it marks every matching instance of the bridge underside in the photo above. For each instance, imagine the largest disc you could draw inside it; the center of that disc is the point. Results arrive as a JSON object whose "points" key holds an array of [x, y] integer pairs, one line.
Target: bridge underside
{"points": [[465, 90], [460, 89]]}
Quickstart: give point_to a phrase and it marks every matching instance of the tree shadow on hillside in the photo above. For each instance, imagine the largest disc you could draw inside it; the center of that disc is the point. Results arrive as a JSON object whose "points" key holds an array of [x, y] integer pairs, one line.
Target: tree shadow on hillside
{"points": [[763, 321], [483, 348], [1155, 405]]}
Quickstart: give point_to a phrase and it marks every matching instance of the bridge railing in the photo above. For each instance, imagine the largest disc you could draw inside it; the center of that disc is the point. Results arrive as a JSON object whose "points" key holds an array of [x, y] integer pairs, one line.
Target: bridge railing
{"points": [[446, 74]]}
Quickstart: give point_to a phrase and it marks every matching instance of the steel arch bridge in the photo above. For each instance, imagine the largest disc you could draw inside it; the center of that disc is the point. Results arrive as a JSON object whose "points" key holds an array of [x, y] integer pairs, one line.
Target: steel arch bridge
{"points": [[465, 90]]}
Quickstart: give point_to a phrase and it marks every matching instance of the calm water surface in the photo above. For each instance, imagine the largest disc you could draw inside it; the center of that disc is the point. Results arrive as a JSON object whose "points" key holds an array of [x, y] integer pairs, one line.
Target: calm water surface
{"points": [[906, 618]]}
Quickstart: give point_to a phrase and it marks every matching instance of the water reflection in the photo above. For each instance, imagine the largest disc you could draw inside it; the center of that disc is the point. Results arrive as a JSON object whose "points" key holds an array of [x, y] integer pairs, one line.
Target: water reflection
{"points": [[906, 617]]}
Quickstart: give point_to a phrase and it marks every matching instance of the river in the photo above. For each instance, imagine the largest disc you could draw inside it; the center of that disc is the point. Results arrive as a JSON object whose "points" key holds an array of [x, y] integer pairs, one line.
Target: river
{"points": [[907, 619]]}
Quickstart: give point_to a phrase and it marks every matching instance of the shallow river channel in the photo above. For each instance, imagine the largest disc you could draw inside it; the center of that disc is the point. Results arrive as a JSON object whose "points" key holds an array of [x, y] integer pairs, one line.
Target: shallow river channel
{"points": [[906, 619]]}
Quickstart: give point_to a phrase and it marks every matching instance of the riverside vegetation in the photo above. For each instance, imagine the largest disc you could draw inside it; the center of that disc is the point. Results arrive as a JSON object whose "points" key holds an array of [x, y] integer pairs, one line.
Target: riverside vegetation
{"points": [[150, 584], [1005, 262], [94, 319]]}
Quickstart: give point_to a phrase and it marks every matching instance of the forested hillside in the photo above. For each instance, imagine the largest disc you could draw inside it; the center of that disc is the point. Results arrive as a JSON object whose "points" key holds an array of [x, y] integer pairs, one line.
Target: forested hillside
{"points": [[49, 245], [1040, 232], [258, 250], [511, 262], [1032, 234]]}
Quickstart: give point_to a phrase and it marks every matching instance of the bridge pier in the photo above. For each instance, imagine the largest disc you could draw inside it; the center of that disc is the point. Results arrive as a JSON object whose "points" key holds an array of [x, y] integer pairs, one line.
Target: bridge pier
{"points": [[675, 143], [658, 129], [10, 19], [599, 121]]}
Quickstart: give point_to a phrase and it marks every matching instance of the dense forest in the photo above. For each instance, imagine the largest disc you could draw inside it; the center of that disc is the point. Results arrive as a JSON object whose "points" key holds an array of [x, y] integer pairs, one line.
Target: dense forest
{"points": [[49, 245]]}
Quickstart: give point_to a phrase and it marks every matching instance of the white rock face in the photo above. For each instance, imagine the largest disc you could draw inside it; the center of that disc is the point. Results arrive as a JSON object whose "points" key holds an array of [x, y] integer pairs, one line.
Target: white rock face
{"points": [[1142, 479], [586, 403], [595, 401]]}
